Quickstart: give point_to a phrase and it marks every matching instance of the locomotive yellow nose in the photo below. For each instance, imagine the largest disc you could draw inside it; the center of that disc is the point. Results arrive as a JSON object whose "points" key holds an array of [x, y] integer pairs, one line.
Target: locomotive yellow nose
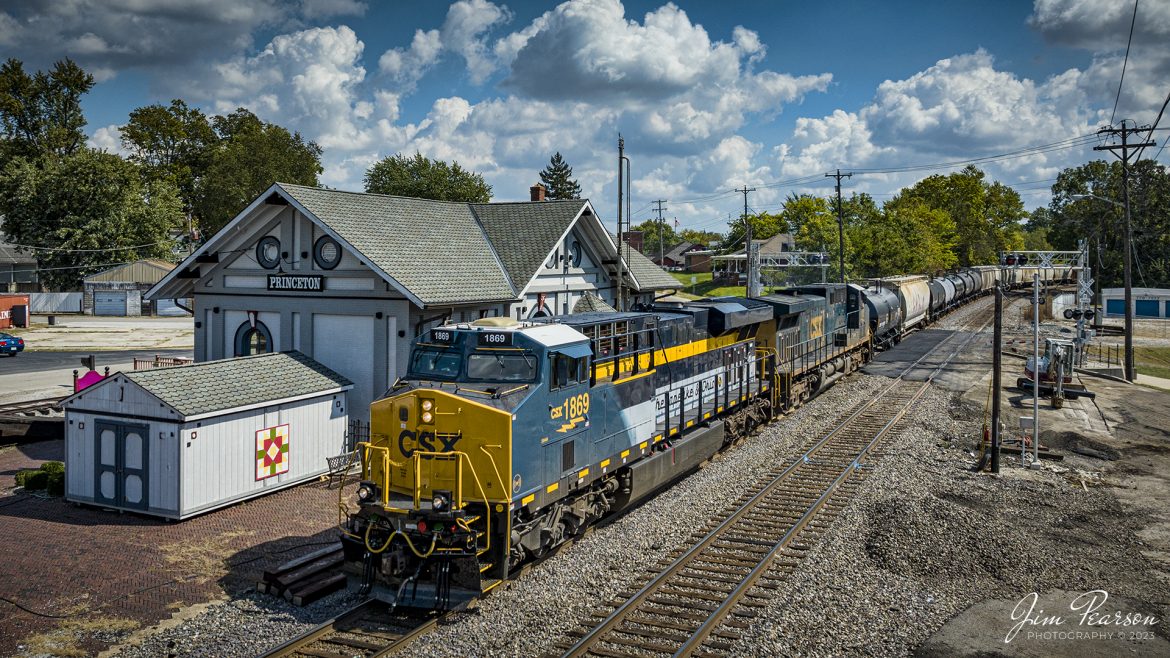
{"points": [[417, 426]]}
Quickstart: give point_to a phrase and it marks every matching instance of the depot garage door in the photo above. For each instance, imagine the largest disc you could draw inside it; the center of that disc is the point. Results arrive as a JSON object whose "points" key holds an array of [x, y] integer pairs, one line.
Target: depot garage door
{"points": [[109, 302]]}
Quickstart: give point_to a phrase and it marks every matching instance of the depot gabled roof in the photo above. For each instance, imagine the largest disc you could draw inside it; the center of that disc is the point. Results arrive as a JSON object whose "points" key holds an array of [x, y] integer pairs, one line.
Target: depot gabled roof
{"points": [[433, 252]]}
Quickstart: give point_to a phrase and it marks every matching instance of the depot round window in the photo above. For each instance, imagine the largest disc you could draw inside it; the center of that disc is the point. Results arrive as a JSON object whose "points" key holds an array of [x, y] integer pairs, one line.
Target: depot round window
{"points": [[326, 252], [268, 252], [253, 339]]}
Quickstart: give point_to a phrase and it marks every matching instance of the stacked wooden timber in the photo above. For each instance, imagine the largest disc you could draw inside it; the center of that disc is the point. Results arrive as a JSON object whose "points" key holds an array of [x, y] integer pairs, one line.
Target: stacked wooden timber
{"points": [[307, 578]]}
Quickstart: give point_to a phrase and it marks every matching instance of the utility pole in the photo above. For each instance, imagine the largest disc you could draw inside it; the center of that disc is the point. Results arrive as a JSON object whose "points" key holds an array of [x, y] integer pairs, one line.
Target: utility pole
{"points": [[1124, 147], [996, 369], [622, 164], [748, 251], [840, 220], [661, 229]]}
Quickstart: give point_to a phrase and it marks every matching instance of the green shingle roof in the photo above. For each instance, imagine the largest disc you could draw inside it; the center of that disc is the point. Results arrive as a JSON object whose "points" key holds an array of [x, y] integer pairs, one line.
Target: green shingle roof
{"points": [[648, 275], [523, 234], [211, 386], [434, 249]]}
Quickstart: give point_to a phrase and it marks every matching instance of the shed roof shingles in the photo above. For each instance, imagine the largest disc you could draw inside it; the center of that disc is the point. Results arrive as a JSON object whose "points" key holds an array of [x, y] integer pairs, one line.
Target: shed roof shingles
{"points": [[211, 386]]}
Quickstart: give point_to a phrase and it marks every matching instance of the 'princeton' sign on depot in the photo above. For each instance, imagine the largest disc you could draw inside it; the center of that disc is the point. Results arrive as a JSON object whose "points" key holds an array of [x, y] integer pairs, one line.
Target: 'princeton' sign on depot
{"points": [[305, 282]]}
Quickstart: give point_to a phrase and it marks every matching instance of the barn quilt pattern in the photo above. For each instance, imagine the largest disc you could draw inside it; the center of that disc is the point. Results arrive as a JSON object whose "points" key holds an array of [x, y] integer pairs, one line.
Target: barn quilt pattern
{"points": [[271, 451]]}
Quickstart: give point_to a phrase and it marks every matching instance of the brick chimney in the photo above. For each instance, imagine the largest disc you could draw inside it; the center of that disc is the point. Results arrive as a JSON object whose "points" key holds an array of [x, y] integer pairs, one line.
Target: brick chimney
{"points": [[536, 192]]}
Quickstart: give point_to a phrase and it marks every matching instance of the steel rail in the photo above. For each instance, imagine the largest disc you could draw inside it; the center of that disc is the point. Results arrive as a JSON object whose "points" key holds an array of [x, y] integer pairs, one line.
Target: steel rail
{"points": [[586, 643], [337, 625]]}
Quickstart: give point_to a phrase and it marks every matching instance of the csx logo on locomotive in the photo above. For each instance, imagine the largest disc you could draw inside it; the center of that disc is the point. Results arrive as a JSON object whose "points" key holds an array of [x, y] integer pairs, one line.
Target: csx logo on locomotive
{"points": [[571, 411], [427, 442]]}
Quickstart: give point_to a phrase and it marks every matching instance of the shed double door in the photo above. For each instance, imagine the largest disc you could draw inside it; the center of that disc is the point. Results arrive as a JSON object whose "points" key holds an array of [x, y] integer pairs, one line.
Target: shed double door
{"points": [[121, 451]]}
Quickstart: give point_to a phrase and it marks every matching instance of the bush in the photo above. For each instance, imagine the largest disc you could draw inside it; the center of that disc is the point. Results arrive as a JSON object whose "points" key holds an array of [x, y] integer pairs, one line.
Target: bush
{"points": [[56, 484], [36, 480], [22, 475], [53, 467]]}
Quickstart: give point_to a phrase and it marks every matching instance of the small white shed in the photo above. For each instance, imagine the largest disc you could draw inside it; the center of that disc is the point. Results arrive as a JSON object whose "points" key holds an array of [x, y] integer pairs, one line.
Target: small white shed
{"points": [[175, 442]]}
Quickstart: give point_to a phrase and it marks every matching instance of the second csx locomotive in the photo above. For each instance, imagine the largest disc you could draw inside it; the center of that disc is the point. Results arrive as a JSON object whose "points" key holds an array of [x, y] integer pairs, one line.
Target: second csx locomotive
{"points": [[507, 438]]}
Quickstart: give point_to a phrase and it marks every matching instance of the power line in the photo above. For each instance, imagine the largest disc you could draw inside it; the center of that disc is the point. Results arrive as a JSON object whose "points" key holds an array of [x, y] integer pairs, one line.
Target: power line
{"points": [[88, 251], [1153, 128], [1129, 43], [1072, 142]]}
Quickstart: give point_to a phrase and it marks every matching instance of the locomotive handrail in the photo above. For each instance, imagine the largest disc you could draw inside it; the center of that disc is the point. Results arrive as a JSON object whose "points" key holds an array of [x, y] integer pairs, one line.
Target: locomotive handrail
{"points": [[457, 502]]}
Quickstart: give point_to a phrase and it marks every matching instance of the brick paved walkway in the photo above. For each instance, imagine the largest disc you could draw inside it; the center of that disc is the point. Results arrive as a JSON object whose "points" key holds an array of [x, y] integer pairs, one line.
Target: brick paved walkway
{"points": [[60, 559]]}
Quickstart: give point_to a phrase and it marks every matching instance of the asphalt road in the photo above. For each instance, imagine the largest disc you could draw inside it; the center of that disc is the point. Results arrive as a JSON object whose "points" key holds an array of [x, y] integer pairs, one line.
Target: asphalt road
{"points": [[35, 374]]}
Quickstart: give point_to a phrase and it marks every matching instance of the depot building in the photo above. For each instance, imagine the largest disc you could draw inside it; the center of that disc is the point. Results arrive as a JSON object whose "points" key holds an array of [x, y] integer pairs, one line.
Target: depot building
{"points": [[349, 278]]}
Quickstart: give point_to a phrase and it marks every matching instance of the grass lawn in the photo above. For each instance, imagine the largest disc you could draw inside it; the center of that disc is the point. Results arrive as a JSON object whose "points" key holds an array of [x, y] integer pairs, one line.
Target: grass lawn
{"points": [[1153, 361], [703, 285]]}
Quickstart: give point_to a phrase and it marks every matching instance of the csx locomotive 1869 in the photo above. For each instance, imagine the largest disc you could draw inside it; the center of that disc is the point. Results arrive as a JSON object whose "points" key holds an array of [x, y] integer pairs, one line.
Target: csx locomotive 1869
{"points": [[507, 438]]}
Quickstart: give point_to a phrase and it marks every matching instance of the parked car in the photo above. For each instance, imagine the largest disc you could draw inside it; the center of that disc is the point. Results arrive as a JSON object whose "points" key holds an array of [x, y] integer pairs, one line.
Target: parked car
{"points": [[11, 345]]}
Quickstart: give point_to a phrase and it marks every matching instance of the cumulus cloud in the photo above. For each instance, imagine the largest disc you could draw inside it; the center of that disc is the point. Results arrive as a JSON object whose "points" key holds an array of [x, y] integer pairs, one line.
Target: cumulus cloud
{"points": [[162, 36], [463, 33], [312, 9], [1102, 27], [308, 78], [960, 108], [407, 65], [107, 138]]}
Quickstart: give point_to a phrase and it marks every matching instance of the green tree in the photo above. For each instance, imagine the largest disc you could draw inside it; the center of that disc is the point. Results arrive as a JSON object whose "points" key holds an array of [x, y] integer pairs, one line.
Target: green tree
{"points": [[86, 212], [558, 178], [651, 230], [173, 143], [818, 232], [907, 237], [764, 226], [705, 238], [1101, 221], [249, 156], [985, 214], [423, 178], [40, 115], [800, 208]]}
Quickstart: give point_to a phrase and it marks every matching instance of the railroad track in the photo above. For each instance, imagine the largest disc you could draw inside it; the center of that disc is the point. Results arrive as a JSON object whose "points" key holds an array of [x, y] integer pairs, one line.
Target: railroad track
{"points": [[369, 630], [30, 408], [705, 595]]}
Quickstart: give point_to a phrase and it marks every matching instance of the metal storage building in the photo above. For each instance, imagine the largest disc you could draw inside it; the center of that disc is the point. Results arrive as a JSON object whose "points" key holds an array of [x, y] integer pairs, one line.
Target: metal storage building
{"points": [[1147, 302], [119, 290], [180, 441]]}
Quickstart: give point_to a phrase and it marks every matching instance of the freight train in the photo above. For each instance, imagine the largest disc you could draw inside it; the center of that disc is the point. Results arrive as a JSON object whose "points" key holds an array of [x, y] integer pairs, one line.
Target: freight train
{"points": [[507, 439]]}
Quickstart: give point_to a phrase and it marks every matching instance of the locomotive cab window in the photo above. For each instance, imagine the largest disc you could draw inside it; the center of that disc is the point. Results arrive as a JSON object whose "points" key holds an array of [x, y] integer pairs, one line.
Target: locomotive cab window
{"points": [[568, 371], [435, 364], [502, 367]]}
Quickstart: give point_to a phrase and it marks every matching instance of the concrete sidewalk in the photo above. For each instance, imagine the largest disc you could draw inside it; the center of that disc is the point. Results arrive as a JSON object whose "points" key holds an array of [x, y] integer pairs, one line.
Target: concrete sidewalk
{"points": [[86, 333], [1152, 382]]}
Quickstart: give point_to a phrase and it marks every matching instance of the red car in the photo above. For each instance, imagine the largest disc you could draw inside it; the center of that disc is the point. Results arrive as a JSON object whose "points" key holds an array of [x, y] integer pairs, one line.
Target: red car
{"points": [[11, 345]]}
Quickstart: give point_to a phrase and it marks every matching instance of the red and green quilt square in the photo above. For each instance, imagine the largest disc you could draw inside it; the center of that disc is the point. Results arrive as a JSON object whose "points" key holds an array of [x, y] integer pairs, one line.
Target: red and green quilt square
{"points": [[271, 451]]}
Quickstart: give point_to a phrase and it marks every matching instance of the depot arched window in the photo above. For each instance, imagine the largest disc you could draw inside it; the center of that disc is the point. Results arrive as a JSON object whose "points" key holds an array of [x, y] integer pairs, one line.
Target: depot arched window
{"points": [[253, 339]]}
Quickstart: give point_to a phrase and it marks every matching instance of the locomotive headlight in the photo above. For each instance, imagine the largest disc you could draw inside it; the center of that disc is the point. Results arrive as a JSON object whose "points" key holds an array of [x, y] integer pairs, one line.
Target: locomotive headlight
{"points": [[427, 417], [441, 501], [367, 492], [426, 408], [427, 405]]}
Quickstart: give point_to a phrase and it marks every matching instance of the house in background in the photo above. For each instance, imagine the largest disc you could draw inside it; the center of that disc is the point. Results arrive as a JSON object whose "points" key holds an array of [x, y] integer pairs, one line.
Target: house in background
{"points": [[350, 278], [18, 269], [675, 256]]}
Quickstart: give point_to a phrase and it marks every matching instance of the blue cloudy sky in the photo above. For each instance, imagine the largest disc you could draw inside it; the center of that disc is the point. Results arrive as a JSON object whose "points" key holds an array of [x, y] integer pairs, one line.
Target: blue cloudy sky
{"points": [[709, 95]]}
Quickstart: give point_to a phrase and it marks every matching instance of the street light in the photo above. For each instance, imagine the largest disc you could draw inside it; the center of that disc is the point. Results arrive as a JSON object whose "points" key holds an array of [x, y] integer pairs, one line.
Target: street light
{"points": [[1127, 276]]}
